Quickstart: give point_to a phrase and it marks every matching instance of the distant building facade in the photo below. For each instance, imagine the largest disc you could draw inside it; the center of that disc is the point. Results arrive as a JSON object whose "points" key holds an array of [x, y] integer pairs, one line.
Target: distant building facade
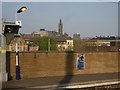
{"points": [[102, 44], [47, 33], [41, 33], [24, 44], [64, 43], [76, 36]]}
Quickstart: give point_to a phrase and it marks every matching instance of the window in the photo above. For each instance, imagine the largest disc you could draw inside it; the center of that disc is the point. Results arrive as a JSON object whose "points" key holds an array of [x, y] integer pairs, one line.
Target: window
{"points": [[68, 43]]}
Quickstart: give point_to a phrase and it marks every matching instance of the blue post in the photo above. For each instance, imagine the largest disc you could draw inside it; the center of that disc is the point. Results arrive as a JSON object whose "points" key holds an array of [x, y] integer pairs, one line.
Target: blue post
{"points": [[17, 72], [17, 64]]}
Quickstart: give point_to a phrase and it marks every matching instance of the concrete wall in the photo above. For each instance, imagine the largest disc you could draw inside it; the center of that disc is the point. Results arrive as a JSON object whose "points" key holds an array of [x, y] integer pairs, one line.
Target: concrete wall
{"points": [[36, 64]]}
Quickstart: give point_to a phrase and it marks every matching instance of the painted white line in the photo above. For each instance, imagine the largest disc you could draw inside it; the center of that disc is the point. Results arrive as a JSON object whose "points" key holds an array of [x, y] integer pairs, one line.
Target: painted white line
{"points": [[91, 85]]}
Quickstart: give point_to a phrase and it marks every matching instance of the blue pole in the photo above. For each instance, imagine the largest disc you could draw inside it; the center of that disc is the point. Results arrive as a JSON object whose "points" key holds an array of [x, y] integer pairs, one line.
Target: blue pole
{"points": [[17, 72], [17, 64]]}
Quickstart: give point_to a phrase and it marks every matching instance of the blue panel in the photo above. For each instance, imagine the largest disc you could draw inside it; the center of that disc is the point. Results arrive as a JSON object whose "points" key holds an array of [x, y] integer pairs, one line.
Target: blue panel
{"points": [[80, 63], [17, 72]]}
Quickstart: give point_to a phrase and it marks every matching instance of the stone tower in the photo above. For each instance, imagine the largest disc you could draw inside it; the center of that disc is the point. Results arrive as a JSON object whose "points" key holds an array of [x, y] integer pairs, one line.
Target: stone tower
{"points": [[60, 26]]}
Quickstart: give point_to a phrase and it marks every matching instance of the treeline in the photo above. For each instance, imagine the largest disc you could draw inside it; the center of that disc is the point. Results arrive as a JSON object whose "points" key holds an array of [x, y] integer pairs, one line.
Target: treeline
{"points": [[50, 44]]}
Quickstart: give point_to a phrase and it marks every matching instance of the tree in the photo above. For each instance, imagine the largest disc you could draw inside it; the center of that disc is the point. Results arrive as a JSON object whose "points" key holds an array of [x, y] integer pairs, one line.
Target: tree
{"points": [[78, 46], [53, 44], [45, 43]]}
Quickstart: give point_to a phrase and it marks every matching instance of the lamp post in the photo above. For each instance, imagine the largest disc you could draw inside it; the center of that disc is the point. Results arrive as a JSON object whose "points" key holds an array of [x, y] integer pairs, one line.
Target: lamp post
{"points": [[9, 28], [22, 9]]}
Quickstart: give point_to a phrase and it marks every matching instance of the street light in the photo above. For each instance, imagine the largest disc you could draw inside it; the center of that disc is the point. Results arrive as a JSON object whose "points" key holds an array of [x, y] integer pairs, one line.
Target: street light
{"points": [[22, 9], [9, 29]]}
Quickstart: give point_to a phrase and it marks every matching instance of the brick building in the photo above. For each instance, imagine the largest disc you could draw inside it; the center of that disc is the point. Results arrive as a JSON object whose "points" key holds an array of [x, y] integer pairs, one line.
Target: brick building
{"points": [[24, 44], [102, 44], [64, 43]]}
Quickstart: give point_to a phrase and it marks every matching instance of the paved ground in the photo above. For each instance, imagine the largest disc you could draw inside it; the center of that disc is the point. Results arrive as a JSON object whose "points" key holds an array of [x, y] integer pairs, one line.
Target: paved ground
{"points": [[48, 83]]}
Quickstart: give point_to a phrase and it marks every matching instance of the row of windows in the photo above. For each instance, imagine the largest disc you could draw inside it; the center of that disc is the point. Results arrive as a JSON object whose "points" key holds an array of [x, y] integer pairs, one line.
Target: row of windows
{"points": [[97, 44]]}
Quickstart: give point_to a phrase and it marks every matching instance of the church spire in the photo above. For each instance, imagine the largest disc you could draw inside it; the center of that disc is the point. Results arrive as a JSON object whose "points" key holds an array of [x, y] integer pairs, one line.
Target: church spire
{"points": [[60, 21], [60, 26]]}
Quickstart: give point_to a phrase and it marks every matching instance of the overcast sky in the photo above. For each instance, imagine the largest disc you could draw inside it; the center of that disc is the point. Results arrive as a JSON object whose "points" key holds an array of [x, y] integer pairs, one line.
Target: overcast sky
{"points": [[87, 18]]}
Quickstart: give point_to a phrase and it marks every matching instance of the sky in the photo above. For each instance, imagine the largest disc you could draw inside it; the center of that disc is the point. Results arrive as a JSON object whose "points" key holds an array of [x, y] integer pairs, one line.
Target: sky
{"points": [[60, 0], [90, 19]]}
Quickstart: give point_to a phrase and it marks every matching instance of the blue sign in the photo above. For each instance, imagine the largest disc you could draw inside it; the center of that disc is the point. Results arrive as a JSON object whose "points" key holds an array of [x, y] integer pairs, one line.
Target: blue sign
{"points": [[80, 62]]}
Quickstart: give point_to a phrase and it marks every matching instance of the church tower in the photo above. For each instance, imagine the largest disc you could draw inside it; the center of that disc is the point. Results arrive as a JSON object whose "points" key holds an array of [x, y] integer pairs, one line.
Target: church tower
{"points": [[60, 26]]}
